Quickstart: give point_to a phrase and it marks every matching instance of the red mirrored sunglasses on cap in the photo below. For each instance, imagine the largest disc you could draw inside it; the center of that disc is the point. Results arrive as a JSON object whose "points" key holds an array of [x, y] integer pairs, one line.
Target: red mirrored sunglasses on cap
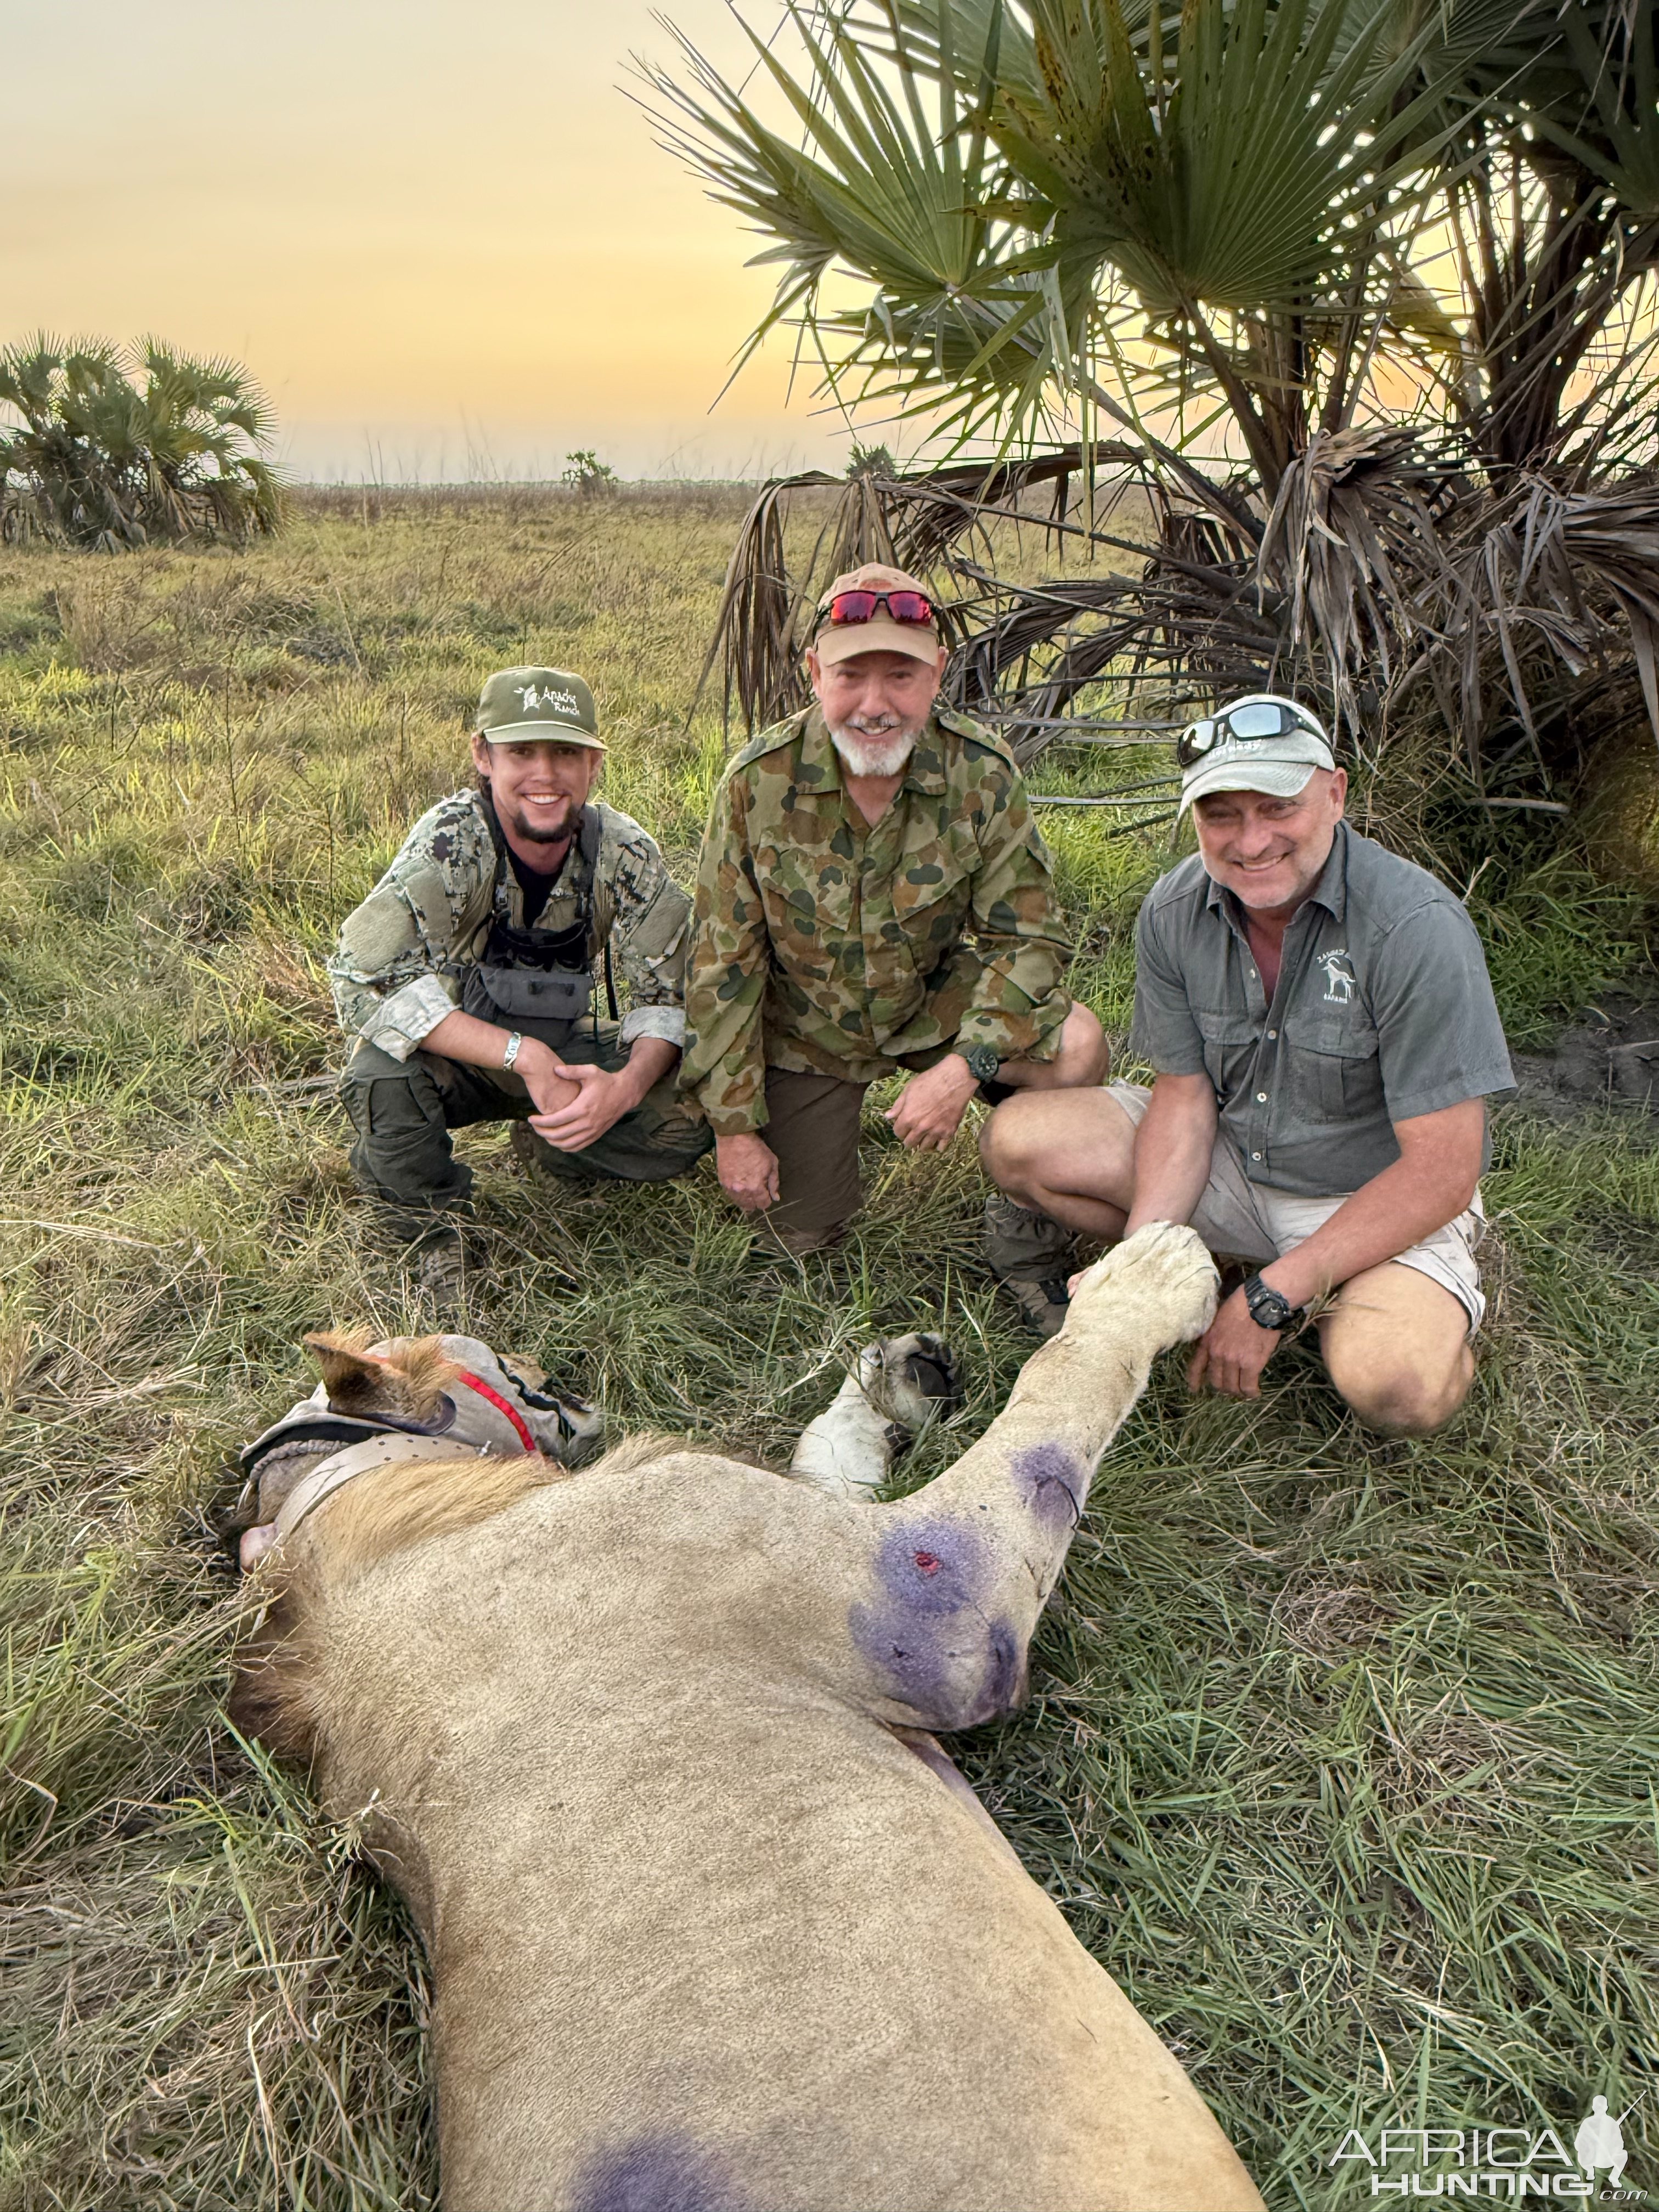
{"points": [[912, 608]]}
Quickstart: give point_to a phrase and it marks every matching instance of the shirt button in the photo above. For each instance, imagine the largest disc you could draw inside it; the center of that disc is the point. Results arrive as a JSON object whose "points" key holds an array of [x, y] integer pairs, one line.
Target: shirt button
{"points": [[1255, 1156], [1272, 1033], [1261, 1097]]}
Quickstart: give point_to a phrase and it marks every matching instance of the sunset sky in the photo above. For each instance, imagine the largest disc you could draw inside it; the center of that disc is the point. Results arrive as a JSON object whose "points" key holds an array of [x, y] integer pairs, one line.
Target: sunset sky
{"points": [[440, 235]]}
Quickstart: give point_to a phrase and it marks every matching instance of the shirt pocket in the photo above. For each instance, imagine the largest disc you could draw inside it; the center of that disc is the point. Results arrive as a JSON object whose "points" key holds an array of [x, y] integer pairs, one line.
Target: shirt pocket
{"points": [[811, 903], [930, 898], [1335, 1073], [1230, 1042]]}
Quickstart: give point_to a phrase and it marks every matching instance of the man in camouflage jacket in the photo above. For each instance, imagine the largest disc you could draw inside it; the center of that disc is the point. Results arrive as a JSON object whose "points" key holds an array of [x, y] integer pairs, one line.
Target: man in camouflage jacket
{"points": [[470, 977], [872, 896]]}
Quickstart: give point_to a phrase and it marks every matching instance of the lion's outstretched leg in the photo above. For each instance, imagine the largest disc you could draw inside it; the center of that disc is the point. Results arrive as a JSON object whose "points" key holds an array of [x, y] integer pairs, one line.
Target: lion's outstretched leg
{"points": [[963, 1567], [897, 1384]]}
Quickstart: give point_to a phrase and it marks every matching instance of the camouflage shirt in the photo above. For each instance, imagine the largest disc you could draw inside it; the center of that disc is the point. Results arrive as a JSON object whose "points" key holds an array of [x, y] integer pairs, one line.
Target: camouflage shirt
{"points": [[827, 944], [399, 966]]}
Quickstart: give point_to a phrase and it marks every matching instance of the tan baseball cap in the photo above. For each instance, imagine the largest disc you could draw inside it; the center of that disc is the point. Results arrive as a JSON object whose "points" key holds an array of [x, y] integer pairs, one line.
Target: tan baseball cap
{"points": [[532, 706], [834, 641], [1263, 742]]}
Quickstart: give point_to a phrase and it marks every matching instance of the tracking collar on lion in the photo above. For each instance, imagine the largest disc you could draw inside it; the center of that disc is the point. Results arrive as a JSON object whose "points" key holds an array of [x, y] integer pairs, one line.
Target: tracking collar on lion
{"points": [[484, 1405]]}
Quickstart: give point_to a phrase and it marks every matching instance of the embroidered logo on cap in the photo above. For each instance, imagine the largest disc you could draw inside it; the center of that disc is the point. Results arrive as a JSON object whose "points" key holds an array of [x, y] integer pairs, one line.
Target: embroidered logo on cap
{"points": [[561, 702]]}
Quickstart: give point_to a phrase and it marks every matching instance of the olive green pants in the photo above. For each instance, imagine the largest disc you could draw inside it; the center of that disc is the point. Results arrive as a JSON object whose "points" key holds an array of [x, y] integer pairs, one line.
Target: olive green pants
{"points": [[813, 1126], [403, 1112]]}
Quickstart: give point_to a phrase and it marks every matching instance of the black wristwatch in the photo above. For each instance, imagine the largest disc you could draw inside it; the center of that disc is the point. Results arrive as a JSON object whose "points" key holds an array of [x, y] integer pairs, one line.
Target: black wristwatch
{"points": [[982, 1062], [1267, 1308]]}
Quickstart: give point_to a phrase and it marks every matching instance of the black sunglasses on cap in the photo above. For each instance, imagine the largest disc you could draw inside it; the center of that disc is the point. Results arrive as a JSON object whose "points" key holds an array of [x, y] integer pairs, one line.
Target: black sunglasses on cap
{"points": [[1248, 723], [910, 608]]}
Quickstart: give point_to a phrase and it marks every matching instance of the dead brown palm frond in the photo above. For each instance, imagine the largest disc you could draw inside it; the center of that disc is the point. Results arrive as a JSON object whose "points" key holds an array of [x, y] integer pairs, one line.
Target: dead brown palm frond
{"points": [[760, 631], [1350, 542], [920, 523], [1562, 580]]}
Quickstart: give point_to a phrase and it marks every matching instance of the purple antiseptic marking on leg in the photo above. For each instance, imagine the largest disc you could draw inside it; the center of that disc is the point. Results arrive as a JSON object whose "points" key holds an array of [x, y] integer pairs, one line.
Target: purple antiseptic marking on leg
{"points": [[1050, 1481], [1003, 1683], [928, 1636], [658, 2174], [932, 1566]]}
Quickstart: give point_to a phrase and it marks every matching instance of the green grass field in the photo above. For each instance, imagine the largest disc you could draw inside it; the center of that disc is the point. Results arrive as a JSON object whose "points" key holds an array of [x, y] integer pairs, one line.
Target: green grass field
{"points": [[1341, 1753]]}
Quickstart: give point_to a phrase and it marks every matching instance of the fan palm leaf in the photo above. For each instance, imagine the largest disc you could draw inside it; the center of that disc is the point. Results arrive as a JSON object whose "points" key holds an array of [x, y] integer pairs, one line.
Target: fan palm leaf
{"points": [[104, 460]]}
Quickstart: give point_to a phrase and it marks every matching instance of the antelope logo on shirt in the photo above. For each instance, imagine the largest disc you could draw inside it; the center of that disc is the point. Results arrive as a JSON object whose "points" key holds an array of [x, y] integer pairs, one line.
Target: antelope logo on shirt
{"points": [[1340, 982]]}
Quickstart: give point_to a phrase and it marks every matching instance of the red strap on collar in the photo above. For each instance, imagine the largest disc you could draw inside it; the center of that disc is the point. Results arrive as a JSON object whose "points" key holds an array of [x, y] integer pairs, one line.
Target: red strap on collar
{"points": [[474, 1382]]}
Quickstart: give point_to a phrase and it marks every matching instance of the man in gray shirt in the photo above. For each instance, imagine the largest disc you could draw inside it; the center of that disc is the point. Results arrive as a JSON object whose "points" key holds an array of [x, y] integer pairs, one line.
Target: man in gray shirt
{"points": [[1324, 1036]]}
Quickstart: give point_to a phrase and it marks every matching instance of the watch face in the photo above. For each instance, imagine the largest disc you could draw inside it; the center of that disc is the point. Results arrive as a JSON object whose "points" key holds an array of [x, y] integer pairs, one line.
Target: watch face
{"points": [[983, 1062]]}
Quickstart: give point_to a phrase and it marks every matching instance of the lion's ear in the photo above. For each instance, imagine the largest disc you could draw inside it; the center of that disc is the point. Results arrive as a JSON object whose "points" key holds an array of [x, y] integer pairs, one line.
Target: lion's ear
{"points": [[408, 1379], [349, 1376]]}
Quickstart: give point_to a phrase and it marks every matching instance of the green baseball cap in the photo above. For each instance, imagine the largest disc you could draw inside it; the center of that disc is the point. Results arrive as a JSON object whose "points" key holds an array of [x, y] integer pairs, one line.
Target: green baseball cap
{"points": [[530, 706]]}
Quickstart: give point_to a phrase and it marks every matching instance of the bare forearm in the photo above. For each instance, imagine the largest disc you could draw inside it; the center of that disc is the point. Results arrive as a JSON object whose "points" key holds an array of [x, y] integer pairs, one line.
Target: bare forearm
{"points": [[650, 1060], [1173, 1150], [465, 1038], [1388, 1215], [1429, 1185]]}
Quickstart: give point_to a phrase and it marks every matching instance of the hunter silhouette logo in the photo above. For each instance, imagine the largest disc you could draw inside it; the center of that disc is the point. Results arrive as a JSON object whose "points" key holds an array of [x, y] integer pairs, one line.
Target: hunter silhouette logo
{"points": [[1340, 982], [1600, 2142]]}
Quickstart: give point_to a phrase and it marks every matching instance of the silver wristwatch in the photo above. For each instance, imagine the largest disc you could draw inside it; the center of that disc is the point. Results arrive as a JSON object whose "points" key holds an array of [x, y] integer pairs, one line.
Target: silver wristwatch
{"points": [[512, 1052]]}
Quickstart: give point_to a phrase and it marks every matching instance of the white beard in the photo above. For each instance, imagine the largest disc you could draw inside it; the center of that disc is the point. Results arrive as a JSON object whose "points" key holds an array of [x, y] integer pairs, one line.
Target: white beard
{"points": [[873, 752]]}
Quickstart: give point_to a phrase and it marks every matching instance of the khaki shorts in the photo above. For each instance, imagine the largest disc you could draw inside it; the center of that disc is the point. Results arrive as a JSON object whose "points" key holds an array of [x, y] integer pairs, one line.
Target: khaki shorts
{"points": [[1248, 1221]]}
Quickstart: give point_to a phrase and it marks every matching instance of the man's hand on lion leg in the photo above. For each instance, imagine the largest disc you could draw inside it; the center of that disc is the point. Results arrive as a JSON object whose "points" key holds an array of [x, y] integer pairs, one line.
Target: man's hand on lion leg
{"points": [[1233, 1353], [1397, 1346]]}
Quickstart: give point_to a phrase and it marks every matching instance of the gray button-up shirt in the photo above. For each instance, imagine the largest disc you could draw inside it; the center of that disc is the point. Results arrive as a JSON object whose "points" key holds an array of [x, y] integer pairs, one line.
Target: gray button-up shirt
{"points": [[1383, 1011]]}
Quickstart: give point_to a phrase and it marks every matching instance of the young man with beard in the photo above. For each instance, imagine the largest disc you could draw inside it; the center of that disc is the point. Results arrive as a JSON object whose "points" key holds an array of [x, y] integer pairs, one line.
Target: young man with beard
{"points": [[872, 897], [1324, 1038], [471, 977]]}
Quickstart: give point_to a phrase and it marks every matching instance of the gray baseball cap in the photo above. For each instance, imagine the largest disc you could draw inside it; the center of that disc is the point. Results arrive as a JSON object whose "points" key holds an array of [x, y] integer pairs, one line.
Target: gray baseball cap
{"points": [[1262, 742], [528, 706]]}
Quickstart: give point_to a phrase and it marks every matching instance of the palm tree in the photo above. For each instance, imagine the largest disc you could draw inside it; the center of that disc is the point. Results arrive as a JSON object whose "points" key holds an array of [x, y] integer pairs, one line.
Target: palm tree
{"points": [[111, 453], [1392, 261]]}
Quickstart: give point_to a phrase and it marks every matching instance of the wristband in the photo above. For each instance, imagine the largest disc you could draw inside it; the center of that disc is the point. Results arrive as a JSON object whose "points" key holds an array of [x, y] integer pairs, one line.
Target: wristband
{"points": [[512, 1052]]}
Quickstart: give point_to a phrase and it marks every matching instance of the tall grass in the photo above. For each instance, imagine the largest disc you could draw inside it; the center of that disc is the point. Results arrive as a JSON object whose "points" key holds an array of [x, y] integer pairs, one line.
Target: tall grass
{"points": [[1341, 1755]]}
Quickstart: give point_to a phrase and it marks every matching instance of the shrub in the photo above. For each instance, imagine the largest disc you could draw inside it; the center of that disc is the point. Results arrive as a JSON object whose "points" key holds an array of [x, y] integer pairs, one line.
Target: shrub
{"points": [[112, 453]]}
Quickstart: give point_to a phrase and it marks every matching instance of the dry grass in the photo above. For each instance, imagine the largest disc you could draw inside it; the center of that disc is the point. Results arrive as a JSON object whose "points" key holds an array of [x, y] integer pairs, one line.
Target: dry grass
{"points": [[1342, 1751]]}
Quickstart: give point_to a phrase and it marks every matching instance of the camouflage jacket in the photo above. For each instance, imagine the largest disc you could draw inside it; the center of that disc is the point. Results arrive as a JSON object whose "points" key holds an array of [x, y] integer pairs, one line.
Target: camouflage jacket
{"points": [[828, 944], [399, 966]]}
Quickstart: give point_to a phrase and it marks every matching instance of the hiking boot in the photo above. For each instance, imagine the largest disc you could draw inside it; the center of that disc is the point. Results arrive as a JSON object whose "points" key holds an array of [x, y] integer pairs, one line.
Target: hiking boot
{"points": [[440, 1262], [541, 1163], [1031, 1256]]}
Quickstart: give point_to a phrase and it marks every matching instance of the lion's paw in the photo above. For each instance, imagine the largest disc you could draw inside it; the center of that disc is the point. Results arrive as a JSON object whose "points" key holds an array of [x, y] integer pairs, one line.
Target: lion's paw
{"points": [[1163, 1267], [909, 1379]]}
